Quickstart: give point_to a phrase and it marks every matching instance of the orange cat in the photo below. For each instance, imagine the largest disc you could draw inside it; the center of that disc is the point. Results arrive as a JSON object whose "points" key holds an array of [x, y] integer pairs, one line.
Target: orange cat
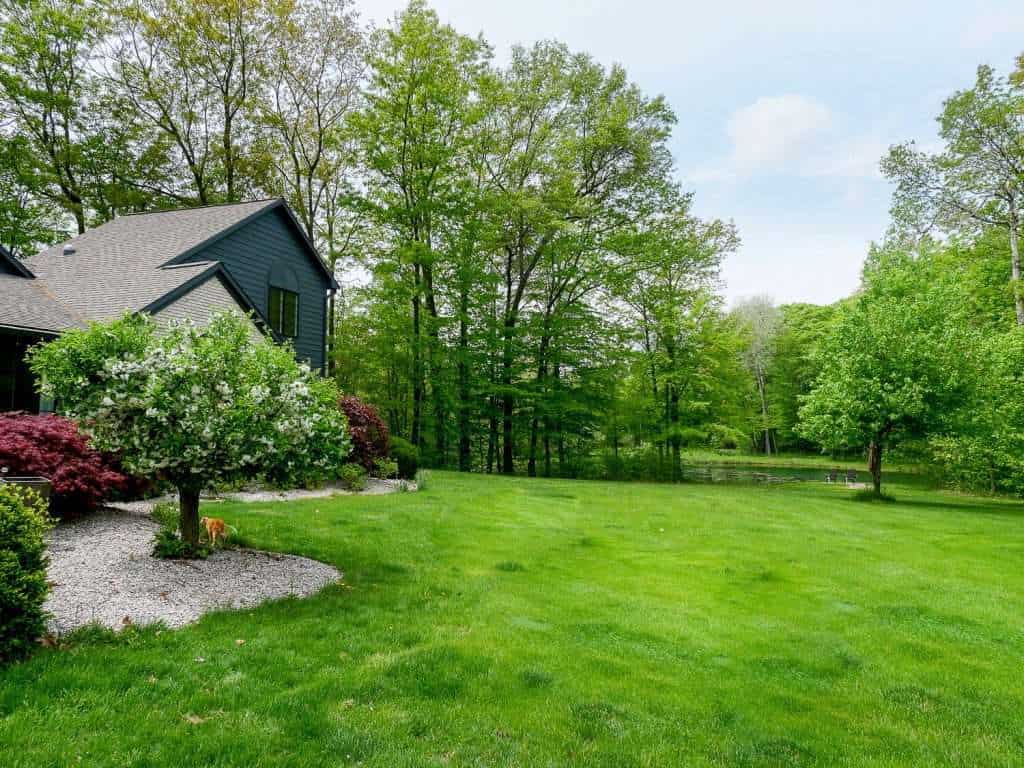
{"points": [[214, 528]]}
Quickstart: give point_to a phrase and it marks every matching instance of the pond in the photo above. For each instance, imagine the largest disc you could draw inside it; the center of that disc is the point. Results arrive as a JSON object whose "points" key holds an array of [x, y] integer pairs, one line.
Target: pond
{"points": [[762, 473]]}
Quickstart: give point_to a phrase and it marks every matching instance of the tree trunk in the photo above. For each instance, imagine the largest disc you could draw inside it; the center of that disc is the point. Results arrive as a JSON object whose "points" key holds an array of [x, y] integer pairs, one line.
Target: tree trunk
{"points": [[464, 395], [531, 463], [547, 446], [1018, 300], [330, 363], [761, 386], [875, 465], [673, 415], [542, 374], [417, 364], [507, 401], [433, 364], [492, 434], [189, 516]]}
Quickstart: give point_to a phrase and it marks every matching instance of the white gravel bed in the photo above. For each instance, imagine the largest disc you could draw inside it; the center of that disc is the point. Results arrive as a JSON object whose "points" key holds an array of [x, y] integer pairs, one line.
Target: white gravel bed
{"points": [[101, 570], [374, 487]]}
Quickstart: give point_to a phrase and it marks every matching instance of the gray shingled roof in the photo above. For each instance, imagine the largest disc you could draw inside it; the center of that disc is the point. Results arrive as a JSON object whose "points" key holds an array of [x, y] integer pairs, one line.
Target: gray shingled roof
{"points": [[25, 303], [119, 266]]}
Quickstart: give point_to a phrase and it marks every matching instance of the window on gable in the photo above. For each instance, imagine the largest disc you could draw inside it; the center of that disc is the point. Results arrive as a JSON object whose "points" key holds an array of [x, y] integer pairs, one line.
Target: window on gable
{"points": [[284, 311], [283, 299]]}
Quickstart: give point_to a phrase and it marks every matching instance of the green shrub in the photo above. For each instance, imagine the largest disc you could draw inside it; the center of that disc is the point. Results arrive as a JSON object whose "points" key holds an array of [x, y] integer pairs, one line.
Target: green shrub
{"points": [[168, 545], [353, 477], [167, 514], [724, 437], [386, 468], [407, 456], [23, 585], [167, 542]]}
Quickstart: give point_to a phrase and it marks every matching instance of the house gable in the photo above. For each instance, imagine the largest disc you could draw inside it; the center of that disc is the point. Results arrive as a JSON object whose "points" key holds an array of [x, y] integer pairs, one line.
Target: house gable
{"points": [[265, 244], [200, 301]]}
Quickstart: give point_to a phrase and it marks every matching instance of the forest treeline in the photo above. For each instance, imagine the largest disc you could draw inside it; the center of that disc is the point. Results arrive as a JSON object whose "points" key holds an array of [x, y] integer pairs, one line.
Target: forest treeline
{"points": [[525, 286]]}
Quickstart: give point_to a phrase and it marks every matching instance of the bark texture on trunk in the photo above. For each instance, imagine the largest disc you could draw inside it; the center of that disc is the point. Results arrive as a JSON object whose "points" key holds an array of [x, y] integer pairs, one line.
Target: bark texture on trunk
{"points": [[1018, 300], [465, 463], [189, 516], [875, 464]]}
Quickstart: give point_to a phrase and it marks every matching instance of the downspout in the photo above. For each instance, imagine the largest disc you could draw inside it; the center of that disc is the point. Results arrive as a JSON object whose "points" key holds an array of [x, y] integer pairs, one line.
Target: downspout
{"points": [[329, 332]]}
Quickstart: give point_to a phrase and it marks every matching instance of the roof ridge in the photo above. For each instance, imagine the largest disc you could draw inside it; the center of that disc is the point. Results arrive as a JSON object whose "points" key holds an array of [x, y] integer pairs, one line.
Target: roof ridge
{"points": [[201, 207]]}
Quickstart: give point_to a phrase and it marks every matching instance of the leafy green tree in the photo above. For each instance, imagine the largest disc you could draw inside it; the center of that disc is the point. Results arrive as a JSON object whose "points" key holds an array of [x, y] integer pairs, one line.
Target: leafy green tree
{"points": [[47, 88], [670, 264], [189, 71], [982, 446], [760, 321], [27, 220], [315, 64], [802, 330], [414, 132], [890, 368], [977, 180], [196, 406]]}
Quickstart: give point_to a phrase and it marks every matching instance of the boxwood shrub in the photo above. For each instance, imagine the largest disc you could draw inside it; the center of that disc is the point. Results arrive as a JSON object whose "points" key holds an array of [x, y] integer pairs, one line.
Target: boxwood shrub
{"points": [[407, 456], [23, 585]]}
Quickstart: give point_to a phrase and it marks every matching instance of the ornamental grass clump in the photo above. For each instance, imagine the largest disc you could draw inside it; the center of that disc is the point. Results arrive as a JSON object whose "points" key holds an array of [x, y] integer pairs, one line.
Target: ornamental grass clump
{"points": [[196, 406]]}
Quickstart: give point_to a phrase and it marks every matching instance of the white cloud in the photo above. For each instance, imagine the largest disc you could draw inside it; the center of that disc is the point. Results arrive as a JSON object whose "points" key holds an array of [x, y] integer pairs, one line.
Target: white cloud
{"points": [[774, 131], [796, 136]]}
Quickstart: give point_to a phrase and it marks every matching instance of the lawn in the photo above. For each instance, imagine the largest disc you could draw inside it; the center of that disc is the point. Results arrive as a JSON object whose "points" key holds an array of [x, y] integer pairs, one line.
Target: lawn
{"points": [[493, 621]]}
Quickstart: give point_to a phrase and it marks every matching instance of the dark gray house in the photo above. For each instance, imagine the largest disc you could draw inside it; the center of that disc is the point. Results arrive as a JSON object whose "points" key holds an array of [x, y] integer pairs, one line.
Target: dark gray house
{"points": [[189, 263]]}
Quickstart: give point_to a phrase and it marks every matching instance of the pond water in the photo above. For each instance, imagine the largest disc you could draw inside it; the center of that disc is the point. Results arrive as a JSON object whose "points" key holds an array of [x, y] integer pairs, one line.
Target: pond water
{"points": [[761, 473]]}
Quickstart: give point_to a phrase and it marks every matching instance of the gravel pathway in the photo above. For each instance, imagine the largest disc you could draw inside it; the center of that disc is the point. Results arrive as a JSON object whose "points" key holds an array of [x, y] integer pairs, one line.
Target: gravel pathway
{"points": [[101, 570]]}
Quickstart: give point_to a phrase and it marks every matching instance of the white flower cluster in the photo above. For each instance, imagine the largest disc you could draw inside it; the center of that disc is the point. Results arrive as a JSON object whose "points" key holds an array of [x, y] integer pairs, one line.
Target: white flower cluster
{"points": [[208, 403]]}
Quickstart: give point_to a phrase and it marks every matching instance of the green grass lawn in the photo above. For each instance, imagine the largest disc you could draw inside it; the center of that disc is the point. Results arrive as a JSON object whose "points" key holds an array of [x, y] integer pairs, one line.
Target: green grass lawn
{"points": [[491, 621]]}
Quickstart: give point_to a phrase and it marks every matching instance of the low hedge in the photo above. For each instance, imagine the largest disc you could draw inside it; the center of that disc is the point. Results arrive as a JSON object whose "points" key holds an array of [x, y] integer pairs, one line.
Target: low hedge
{"points": [[23, 585]]}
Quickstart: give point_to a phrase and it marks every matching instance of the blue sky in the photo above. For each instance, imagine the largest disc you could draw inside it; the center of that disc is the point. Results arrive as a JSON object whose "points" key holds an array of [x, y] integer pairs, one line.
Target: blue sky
{"points": [[784, 108]]}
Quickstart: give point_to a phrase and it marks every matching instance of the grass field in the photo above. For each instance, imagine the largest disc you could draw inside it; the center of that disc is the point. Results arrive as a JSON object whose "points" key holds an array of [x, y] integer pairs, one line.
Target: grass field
{"points": [[512, 622]]}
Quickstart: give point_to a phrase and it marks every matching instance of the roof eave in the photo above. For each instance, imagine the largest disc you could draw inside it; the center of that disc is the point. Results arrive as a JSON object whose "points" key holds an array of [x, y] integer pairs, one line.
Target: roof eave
{"points": [[15, 264]]}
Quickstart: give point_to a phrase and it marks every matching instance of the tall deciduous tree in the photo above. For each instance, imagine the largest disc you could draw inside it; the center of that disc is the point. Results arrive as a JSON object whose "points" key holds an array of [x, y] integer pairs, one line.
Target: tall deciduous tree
{"points": [[670, 266], [46, 51], [978, 178], [414, 133], [189, 71], [760, 319]]}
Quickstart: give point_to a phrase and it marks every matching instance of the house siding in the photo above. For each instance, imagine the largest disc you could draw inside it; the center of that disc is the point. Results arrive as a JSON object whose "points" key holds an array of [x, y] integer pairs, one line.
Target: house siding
{"points": [[248, 255], [200, 305]]}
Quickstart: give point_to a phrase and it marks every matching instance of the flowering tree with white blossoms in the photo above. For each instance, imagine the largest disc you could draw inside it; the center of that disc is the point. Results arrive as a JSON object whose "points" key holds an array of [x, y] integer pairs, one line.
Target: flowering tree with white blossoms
{"points": [[196, 406]]}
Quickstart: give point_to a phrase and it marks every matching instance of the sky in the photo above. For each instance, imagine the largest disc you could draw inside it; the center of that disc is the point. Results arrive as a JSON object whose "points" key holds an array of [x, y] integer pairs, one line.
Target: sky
{"points": [[784, 108]]}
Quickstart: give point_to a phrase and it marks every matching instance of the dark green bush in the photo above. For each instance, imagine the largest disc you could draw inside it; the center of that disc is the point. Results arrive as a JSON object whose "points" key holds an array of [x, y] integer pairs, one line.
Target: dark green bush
{"points": [[353, 477], [23, 585], [407, 456], [168, 545]]}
